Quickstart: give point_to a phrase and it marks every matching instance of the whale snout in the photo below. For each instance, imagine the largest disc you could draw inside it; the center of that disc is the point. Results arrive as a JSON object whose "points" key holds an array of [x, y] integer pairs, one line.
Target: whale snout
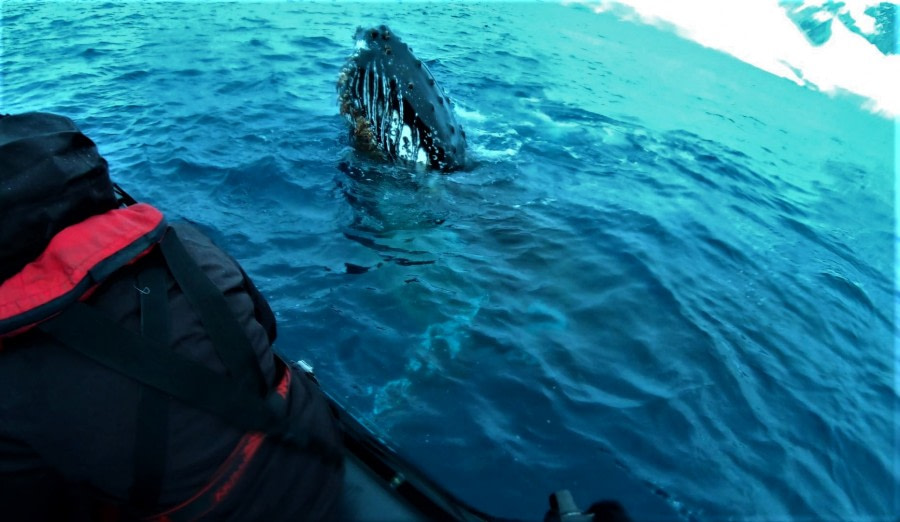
{"points": [[394, 106]]}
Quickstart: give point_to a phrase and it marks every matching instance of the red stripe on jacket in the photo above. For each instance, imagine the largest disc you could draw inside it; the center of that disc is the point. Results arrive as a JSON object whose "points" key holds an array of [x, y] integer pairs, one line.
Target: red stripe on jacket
{"points": [[74, 256]]}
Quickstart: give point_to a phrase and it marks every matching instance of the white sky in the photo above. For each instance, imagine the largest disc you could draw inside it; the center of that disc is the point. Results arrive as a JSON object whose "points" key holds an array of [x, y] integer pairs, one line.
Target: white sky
{"points": [[760, 33]]}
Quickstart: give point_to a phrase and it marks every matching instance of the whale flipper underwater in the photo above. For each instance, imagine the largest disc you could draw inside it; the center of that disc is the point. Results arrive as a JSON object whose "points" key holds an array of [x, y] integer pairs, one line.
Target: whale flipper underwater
{"points": [[394, 106]]}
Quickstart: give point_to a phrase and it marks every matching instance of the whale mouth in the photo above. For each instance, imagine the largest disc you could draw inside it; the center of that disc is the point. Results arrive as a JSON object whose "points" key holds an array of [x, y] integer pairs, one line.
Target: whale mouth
{"points": [[394, 107]]}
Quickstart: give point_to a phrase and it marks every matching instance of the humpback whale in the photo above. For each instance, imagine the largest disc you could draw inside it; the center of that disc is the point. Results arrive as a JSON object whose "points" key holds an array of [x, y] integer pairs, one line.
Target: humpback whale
{"points": [[395, 108]]}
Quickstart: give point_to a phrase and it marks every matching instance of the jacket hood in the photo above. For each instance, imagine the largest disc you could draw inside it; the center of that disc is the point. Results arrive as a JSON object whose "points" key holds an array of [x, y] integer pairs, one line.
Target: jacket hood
{"points": [[51, 177]]}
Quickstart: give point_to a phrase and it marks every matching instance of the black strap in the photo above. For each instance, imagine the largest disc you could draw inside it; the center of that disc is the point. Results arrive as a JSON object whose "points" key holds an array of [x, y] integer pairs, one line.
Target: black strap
{"points": [[151, 435], [223, 328], [262, 310], [92, 334], [123, 197]]}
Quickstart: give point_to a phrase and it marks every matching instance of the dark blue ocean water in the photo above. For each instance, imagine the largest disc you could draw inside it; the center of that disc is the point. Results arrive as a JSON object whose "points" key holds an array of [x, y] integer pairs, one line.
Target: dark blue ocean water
{"points": [[669, 276]]}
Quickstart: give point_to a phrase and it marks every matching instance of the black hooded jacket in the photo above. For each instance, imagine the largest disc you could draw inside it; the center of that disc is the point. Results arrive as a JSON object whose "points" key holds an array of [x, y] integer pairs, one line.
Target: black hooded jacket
{"points": [[69, 426]]}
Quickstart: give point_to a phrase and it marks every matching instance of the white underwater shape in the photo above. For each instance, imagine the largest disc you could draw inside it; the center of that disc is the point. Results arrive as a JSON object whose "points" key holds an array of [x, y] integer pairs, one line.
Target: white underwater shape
{"points": [[406, 150], [421, 156]]}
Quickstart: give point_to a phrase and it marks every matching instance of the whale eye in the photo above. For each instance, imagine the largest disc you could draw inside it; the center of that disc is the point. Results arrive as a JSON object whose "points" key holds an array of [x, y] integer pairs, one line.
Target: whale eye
{"points": [[431, 82], [463, 133], [441, 101], [410, 86], [452, 131], [374, 35], [419, 64]]}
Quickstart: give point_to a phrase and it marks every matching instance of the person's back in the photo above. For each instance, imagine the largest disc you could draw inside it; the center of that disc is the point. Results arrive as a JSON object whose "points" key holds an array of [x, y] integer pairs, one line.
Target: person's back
{"points": [[81, 439]]}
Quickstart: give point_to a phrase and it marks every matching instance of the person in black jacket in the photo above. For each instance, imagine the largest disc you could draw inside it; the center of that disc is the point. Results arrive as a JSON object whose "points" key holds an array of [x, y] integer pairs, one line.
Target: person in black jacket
{"points": [[137, 375]]}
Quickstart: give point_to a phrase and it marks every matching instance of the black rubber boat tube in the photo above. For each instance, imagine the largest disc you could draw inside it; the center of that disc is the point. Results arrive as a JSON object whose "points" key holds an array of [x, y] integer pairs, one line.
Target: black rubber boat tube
{"points": [[380, 485]]}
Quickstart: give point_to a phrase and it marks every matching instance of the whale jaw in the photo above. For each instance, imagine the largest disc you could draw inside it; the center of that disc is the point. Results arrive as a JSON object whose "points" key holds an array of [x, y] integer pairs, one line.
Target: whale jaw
{"points": [[395, 108]]}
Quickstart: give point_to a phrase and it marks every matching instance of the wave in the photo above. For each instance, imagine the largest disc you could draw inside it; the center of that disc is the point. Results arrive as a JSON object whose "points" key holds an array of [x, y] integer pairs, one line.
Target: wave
{"points": [[875, 23], [825, 45]]}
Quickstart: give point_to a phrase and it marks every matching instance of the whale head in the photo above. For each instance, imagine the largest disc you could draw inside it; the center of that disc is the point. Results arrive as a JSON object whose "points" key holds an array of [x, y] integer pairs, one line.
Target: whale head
{"points": [[394, 106]]}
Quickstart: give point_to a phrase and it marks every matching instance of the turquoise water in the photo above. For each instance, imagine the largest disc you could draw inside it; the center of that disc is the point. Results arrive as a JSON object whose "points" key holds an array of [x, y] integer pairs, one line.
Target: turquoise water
{"points": [[667, 278]]}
